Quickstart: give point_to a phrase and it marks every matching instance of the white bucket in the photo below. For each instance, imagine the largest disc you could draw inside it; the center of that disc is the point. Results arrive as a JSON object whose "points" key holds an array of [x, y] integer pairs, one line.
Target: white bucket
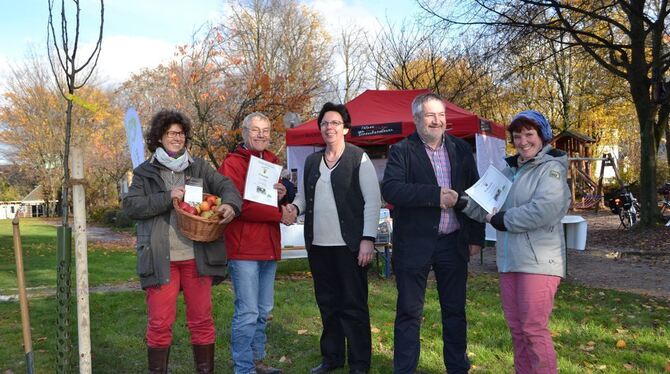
{"points": [[575, 232]]}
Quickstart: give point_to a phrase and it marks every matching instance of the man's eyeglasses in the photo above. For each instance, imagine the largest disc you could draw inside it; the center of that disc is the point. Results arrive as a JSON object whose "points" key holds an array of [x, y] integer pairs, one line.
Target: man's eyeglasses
{"points": [[175, 134], [257, 131], [334, 123]]}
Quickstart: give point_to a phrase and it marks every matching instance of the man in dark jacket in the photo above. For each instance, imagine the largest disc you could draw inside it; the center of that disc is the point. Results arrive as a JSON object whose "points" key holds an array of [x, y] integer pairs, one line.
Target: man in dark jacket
{"points": [[427, 234]]}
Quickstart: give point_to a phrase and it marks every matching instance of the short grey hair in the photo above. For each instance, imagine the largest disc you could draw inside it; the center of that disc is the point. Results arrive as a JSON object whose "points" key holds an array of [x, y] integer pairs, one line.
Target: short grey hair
{"points": [[250, 117], [417, 104]]}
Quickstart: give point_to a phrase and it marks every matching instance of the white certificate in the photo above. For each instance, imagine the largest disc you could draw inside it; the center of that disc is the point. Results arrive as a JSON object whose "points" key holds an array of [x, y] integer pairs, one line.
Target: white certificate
{"points": [[491, 189], [261, 178]]}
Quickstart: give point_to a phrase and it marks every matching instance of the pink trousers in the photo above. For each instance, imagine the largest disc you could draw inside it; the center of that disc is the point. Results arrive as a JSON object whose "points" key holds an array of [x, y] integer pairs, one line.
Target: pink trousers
{"points": [[527, 301], [162, 306]]}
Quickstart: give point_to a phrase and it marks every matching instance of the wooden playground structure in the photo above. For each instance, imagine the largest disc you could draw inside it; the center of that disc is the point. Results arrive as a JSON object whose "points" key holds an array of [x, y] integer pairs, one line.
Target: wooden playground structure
{"points": [[578, 148], [580, 181]]}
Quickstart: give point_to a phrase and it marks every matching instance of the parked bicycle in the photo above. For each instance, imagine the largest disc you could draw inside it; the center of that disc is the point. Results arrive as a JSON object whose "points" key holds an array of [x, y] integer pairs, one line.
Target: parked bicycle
{"points": [[622, 203]]}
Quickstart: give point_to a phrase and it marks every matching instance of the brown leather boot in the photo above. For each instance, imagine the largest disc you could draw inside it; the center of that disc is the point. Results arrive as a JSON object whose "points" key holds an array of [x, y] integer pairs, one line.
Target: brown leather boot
{"points": [[204, 358], [262, 368], [158, 360]]}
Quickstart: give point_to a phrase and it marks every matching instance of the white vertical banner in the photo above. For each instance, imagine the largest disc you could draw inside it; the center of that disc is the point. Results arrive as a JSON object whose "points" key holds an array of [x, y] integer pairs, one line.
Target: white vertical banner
{"points": [[134, 135], [490, 151], [295, 158]]}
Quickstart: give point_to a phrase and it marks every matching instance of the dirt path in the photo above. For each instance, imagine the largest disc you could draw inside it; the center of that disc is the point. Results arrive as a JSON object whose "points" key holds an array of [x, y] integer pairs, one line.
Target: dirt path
{"points": [[632, 261]]}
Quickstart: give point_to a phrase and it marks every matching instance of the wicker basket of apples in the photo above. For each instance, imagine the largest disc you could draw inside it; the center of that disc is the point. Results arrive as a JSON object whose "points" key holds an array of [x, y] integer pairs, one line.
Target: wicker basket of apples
{"points": [[200, 222]]}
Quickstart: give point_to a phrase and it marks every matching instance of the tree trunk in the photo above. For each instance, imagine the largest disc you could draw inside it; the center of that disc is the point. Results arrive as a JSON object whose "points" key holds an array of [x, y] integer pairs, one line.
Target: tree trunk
{"points": [[66, 157], [649, 212], [212, 158]]}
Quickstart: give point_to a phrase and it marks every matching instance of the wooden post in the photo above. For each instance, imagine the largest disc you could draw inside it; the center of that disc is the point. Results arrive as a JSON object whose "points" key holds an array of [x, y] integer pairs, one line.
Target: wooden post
{"points": [[23, 298], [81, 260], [573, 178]]}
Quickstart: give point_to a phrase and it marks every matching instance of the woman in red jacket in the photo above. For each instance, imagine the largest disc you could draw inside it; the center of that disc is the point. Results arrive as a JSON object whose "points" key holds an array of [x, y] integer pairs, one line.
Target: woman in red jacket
{"points": [[253, 245]]}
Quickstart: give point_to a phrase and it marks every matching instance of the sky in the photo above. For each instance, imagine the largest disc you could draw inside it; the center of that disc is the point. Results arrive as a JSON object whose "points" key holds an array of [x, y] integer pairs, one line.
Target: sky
{"points": [[144, 33]]}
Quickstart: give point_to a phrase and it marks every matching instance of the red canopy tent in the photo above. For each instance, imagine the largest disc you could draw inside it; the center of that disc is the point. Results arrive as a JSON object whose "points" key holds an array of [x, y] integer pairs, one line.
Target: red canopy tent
{"points": [[385, 117]]}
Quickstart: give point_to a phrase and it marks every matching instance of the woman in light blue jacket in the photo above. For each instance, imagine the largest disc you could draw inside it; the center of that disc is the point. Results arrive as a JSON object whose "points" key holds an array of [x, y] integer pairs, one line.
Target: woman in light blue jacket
{"points": [[530, 243]]}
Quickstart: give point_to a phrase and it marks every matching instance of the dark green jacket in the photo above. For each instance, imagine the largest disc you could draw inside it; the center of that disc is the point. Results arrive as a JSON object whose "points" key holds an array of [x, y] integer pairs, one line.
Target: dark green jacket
{"points": [[149, 203]]}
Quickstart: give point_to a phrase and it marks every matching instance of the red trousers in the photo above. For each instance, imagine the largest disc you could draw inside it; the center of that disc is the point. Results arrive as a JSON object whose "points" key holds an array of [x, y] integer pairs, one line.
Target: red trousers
{"points": [[162, 306], [527, 301]]}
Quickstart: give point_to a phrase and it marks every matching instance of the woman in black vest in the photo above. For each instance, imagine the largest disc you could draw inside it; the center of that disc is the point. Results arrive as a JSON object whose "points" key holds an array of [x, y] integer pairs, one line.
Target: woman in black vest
{"points": [[341, 202]]}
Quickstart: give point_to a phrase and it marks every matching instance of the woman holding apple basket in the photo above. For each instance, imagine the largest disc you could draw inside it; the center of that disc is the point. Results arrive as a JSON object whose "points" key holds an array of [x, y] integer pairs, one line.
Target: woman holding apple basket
{"points": [[167, 261]]}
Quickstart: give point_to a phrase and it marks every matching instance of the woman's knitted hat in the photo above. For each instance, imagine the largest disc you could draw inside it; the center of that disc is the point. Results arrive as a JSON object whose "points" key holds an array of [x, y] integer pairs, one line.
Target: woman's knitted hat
{"points": [[538, 118]]}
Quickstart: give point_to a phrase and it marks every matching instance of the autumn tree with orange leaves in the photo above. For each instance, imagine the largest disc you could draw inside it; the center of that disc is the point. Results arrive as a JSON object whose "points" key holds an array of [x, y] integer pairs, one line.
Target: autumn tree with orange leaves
{"points": [[267, 56], [35, 128]]}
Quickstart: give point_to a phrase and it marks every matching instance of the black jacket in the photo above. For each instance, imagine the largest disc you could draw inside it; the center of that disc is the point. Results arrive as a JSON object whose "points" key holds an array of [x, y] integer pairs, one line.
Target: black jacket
{"points": [[411, 187]]}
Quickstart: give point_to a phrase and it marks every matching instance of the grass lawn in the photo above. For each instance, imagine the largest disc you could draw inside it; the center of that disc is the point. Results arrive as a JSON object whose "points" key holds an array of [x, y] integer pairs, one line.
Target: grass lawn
{"points": [[587, 323], [105, 264]]}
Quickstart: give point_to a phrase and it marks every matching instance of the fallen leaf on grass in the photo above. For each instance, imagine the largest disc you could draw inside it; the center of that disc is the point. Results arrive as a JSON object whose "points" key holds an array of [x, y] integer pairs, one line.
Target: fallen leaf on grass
{"points": [[588, 347], [628, 366], [621, 343], [302, 332], [283, 359], [374, 330]]}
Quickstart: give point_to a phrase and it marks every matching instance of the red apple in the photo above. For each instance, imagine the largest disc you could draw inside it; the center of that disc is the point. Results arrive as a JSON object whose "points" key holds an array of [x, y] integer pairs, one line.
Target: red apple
{"points": [[211, 199]]}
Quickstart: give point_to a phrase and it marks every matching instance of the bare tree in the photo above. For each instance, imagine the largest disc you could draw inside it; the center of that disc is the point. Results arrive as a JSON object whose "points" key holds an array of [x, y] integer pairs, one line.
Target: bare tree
{"points": [[63, 47], [397, 51], [353, 57], [628, 38], [70, 73], [415, 56]]}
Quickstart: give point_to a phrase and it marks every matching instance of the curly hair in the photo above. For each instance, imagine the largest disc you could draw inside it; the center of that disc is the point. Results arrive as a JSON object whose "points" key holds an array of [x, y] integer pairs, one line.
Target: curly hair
{"points": [[338, 108], [161, 122]]}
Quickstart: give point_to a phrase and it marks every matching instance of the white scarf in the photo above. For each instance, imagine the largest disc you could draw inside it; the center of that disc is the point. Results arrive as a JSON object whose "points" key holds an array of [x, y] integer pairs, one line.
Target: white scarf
{"points": [[175, 164]]}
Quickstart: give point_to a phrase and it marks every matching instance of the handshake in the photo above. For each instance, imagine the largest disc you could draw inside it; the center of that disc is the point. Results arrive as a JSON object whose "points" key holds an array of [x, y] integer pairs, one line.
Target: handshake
{"points": [[289, 214], [448, 198]]}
